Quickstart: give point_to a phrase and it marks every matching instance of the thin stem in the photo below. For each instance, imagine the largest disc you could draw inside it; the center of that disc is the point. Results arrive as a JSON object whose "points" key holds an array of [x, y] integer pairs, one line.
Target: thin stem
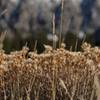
{"points": [[54, 32], [61, 23]]}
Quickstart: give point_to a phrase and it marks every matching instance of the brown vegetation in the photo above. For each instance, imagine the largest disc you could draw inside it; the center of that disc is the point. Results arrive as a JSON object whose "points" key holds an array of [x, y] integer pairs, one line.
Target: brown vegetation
{"points": [[52, 75]]}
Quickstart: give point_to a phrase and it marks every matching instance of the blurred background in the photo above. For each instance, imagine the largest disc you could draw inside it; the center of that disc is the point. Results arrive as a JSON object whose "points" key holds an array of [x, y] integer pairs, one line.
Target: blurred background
{"points": [[39, 22]]}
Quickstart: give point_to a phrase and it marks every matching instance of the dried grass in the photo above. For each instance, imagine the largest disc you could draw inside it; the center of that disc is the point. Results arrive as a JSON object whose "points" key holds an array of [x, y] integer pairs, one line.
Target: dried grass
{"points": [[52, 75]]}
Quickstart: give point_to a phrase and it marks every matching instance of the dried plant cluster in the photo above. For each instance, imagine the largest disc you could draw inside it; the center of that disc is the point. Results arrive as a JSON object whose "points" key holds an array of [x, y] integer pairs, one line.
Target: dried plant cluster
{"points": [[53, 75]]}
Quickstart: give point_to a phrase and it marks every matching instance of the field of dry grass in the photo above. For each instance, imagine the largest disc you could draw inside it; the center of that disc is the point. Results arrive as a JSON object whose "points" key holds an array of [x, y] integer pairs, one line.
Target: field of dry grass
{"points": [[53, 75]]}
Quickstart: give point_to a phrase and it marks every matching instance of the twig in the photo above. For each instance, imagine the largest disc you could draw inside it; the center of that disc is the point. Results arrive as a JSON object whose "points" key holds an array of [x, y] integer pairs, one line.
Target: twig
{"points": [[3, 12]]}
